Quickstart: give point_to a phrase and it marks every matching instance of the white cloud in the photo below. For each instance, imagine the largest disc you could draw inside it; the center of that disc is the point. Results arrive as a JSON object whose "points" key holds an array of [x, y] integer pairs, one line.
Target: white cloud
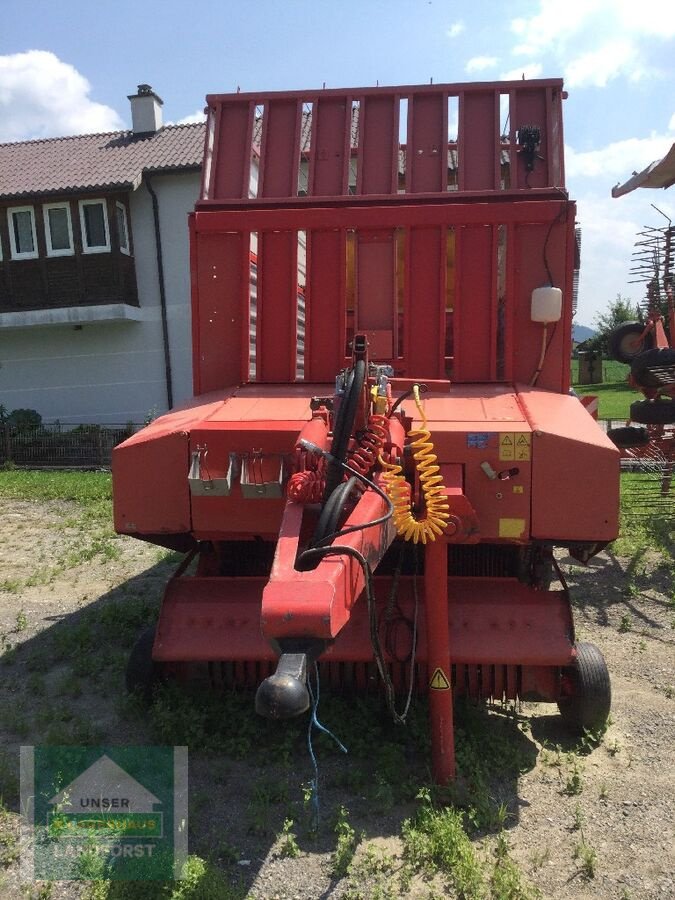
{"points": [[569, 37], [617, 160], [530, 70], [41, 96], [671, 124], [609, 231], [480, 63], [600, 66], [550, 25], [197, 116], [455, 29]]}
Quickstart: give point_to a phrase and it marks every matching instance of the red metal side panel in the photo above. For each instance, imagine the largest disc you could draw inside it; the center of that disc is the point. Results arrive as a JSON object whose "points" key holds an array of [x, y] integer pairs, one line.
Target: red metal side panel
{"points": [[531, 272], [475, 347], [331, 131], [276, 338], [378, 146], [325, 312], [556, 162], [427, 156], [479, 141], [219, 310], [280, 149], [529, 107], [427, 272], [575, 470], [375, 303], [151, 487], [232, 151]]}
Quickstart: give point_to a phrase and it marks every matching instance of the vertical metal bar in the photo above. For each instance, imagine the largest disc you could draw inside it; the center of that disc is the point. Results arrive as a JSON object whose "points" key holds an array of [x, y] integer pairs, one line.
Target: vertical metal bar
{"points": [[427, 143], [280, 152], [438, 661], [376, 290], [378, 145], [331, 118], [474, 302], [325, 305], [480, 140], [494, 303], [509, 301], [531, 109], [425, 334], [233, 151], [276, 339]]}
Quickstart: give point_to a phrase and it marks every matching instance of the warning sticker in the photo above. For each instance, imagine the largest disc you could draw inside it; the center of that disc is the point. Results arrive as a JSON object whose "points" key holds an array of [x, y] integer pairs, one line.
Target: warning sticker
{"points": [[507, 447], [511, 528], [522, 442], [439, 681]]}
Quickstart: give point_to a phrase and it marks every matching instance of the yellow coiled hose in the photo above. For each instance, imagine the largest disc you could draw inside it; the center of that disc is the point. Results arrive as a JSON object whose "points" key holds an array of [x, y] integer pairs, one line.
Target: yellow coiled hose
{"points": [[435, 501]]}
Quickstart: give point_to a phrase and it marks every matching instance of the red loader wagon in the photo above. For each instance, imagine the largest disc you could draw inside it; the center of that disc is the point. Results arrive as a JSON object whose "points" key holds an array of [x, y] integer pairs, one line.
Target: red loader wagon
{"points": [[382, 452]]}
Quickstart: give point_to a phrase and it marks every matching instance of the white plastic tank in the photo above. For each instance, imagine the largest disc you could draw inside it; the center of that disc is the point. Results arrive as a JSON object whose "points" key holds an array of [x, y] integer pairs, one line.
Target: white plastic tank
{"points": [[546, 304]]}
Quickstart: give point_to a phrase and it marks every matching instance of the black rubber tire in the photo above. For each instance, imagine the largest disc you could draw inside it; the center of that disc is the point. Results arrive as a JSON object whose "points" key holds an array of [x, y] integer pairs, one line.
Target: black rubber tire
{"points": [[653, 412], [622, 343], [586, 708], [142, 673], [661, 358], [628, 436]]}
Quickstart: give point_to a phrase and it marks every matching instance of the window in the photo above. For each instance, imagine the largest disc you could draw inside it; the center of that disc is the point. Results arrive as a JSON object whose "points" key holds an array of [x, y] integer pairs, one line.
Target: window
{"points": [[94, 221], [22, 238], [58, 229], [122, 229]]}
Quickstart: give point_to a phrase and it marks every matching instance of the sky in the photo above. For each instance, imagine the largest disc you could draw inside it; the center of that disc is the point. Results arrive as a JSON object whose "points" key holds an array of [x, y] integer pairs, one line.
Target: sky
{"points": [[68, 67]]}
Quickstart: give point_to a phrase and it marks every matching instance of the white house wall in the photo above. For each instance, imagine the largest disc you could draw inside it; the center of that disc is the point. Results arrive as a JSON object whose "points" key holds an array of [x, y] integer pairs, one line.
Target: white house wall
{"points": [[113, 372]]}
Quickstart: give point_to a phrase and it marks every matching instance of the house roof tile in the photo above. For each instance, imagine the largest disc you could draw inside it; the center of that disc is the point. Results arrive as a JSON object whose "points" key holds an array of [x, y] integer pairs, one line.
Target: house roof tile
{"points": [[97, 161]]}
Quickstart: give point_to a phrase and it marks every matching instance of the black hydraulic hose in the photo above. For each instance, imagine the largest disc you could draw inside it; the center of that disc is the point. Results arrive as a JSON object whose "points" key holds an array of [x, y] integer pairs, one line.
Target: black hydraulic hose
{"points": [[342, 429], [330, 514]]}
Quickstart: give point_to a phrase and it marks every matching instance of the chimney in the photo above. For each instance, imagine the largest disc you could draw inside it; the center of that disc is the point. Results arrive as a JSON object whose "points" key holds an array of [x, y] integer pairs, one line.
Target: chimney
{"points": [[146, 110]]}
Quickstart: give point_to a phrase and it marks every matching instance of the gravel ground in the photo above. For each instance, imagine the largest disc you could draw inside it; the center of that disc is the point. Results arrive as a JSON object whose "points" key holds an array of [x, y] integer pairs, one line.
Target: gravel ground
{"points": [[618, 820]]}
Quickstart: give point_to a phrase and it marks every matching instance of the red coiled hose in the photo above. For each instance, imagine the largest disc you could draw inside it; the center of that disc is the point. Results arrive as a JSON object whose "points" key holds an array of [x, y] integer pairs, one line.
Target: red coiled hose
{"points": [[308, 485], [366, 450]]}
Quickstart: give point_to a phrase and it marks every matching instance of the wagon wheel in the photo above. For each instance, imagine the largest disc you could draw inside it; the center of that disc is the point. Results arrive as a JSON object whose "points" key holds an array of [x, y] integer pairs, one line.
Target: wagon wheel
{"points": [[626, 341], [628, 436], [142, 673], [653, 412], [654, 368], [586, 691]]}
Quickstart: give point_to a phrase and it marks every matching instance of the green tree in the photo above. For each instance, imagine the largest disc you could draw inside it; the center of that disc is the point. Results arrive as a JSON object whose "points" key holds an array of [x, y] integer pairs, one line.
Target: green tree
{"points": [[618, 311]]}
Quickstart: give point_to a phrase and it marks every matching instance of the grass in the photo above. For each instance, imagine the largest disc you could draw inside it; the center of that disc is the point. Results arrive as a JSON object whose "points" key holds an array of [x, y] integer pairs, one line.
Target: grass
{"points": [[614, 398], [614, 393], [455, 835], [93, 490], [647, 524]]}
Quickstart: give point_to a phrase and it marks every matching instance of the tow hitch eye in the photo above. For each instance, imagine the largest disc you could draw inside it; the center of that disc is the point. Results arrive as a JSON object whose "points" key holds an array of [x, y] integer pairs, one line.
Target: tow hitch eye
{"points": [[284, 694]]}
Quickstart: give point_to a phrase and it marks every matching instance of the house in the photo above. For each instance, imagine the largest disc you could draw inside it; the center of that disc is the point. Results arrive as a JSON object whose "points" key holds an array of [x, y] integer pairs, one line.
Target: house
{"points": [[95, 323]]}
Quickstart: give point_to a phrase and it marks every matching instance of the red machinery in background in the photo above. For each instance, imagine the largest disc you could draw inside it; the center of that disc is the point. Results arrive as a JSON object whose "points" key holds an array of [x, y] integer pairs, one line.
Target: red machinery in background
{"points": [[382, 451]]}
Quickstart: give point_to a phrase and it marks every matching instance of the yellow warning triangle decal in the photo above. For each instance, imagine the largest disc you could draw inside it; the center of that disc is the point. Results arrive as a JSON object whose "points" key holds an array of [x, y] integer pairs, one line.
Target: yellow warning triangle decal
{"points": [[506, 440], [439, 681]]}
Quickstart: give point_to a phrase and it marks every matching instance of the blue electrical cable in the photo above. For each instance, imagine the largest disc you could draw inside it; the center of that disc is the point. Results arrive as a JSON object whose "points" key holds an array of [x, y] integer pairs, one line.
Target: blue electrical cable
{"points": [[314, 723]]}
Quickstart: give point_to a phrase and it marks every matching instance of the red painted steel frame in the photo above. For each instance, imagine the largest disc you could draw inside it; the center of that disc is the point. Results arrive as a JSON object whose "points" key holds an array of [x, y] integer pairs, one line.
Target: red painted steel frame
{"points": [[312, 206], [438, 661]]}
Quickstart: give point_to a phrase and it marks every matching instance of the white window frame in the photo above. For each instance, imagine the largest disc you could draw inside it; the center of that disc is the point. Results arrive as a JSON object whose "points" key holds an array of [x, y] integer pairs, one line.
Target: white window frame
{"points": [[126, 250], [70, 251], [103, 248], [15, 254]]}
